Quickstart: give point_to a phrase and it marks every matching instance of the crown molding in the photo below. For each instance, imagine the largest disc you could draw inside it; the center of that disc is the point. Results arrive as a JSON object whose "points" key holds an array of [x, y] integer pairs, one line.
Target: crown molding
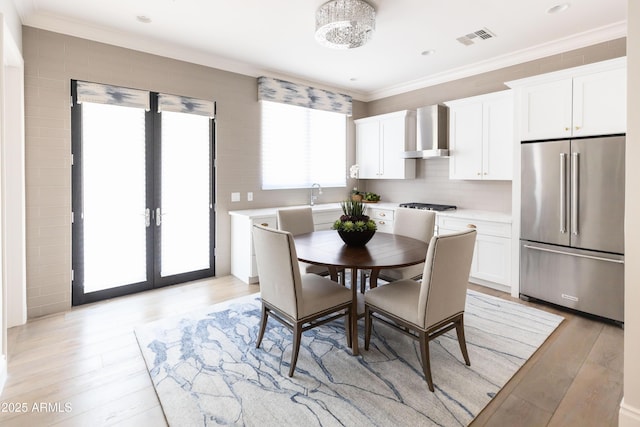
{"points": [[149, 45], [577, 41]]}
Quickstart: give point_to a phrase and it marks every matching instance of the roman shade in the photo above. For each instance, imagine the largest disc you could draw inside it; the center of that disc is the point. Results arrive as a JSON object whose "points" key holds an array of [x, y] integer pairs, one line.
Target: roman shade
{"points": [[114, 95], [276, 90], [184, 104]]}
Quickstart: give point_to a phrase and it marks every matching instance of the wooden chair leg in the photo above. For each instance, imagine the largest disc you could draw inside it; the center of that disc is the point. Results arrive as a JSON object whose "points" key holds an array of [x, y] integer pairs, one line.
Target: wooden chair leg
{"points": [[263, 325], [347, 326], [297, 337], [461, 339], [367, 327], [424, 354]]}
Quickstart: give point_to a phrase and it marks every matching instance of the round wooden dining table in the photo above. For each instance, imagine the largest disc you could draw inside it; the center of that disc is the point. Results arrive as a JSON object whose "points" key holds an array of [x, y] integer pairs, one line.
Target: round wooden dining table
{"points": [[383, 251]]}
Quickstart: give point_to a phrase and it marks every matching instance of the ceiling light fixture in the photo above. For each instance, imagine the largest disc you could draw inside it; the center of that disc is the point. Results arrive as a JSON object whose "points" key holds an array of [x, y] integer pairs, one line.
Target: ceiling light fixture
{"points": [[345, 24]]}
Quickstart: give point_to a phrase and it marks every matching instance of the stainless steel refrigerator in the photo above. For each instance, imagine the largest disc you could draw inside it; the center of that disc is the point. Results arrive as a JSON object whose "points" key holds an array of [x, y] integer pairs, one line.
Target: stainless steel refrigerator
{"points": [[572, 224]]}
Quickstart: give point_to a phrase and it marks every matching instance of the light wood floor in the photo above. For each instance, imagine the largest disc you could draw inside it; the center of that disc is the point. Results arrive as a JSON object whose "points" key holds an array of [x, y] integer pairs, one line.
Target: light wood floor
{"points": [[88, 359]]}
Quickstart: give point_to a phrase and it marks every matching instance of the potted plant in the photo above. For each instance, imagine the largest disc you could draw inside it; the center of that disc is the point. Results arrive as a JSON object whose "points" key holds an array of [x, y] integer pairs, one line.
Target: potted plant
{"points": [[370, 197], [354, 226], [356, 196]]}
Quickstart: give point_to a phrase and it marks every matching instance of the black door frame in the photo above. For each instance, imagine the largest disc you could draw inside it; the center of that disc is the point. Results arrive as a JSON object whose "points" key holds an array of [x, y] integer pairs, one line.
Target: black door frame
{"points": [[153, 199]]}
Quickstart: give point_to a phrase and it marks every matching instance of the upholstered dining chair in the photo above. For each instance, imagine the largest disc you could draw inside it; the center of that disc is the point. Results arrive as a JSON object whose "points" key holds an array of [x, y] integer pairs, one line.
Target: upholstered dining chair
{"points": [[414, 223], [425, 310], [298, 301], [300, 221]]}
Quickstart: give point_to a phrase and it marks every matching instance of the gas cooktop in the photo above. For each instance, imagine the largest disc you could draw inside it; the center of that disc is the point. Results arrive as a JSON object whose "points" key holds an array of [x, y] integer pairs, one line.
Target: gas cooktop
{"points": [[428, 206]]}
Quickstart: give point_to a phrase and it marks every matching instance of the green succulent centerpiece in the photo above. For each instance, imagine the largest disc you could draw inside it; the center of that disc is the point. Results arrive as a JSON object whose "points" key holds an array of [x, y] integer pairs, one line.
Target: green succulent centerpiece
{"points": [[354, 226]]}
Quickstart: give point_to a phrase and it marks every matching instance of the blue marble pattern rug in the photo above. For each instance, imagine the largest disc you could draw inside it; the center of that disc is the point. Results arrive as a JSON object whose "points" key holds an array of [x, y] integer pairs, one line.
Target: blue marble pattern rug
{"points": [[207, 371]]}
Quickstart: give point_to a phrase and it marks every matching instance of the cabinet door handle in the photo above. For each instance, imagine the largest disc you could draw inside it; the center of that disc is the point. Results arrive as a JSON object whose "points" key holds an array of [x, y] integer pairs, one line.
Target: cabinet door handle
{"points": [[577, 127], [471, 226], [597, 258], [575, 192], [381, 222], [567, 129], [265, 224], [563, 193], [382, 214]]}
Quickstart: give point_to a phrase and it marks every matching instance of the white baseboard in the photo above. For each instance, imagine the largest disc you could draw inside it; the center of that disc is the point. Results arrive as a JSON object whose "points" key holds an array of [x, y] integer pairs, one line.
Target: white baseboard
{"points": [[629, 416], [491, 285]]}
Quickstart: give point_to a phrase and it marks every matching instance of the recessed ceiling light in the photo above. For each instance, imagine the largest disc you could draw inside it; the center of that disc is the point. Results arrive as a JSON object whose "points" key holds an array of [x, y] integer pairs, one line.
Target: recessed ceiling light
{"points": [[427, 52], [558, 8], [144, 19], [353, 79]]}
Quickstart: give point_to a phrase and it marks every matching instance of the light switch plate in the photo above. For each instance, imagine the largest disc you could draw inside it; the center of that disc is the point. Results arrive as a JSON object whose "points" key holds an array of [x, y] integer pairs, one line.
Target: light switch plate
{"points": [[250, 196], [235, 197]]}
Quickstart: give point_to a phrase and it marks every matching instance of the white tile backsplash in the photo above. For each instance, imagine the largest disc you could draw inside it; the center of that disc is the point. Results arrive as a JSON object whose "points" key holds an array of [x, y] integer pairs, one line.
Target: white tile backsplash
{"points": [[432, 185]]}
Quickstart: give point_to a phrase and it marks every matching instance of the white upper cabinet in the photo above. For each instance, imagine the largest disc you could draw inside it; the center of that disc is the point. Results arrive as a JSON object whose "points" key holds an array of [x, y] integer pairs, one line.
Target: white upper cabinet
{"points": [[481, 137], [600, 103], [583, 101], [381, 141]]}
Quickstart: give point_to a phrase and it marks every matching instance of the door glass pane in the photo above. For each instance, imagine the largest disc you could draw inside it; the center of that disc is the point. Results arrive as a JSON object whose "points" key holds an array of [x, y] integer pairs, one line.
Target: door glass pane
{"points": [[186, 193], [113, 190]]}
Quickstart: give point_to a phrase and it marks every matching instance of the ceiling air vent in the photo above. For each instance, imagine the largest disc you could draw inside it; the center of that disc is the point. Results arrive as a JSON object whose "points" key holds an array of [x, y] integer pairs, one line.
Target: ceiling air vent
{"points": [[482, 34]]}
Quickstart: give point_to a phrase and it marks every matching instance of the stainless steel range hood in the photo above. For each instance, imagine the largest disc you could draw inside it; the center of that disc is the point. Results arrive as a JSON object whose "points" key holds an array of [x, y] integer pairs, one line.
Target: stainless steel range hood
{"points": [[432, 136]]}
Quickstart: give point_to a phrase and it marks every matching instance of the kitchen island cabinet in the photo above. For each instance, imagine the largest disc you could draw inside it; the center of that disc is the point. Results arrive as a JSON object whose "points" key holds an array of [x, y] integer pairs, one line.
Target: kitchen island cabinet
{"points": [[380, 142], [491, 265]]}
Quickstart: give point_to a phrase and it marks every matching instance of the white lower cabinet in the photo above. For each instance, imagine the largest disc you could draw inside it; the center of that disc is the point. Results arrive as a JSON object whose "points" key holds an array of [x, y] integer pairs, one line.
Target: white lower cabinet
{"points": [[491, 265], [243, 256], [383, 219]]}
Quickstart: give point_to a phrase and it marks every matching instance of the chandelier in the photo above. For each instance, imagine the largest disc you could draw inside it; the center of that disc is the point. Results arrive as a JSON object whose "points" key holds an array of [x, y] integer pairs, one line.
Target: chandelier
{"points": [[345, 24]]}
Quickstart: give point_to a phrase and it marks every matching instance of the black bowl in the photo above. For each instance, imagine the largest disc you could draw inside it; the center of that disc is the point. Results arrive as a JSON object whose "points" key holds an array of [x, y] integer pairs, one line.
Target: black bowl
{"points": [[356, 238]]}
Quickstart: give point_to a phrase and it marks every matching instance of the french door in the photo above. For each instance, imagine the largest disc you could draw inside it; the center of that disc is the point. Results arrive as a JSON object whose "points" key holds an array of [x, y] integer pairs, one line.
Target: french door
{"points": [[142, 185]]}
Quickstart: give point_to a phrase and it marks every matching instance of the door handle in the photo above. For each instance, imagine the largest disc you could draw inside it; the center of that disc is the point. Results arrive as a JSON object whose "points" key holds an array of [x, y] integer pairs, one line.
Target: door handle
{"points": [[563, 193], [158, 217], [147, 217], [597, 258], [575, 164]]}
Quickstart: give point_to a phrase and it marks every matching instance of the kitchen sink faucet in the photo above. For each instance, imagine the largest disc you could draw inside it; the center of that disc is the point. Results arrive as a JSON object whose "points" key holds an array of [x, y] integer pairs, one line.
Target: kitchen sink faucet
{"points": [[313, 196]]}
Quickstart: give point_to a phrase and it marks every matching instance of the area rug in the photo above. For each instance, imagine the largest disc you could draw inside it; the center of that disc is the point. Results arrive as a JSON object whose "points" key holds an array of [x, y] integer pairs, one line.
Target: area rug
{"points": [[207, 371]]}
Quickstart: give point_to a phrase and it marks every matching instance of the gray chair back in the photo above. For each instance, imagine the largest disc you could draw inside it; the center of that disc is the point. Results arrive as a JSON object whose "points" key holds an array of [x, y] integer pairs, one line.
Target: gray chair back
{"points": [[414, 223], [446, 276], [296, 220], [280, 280]]}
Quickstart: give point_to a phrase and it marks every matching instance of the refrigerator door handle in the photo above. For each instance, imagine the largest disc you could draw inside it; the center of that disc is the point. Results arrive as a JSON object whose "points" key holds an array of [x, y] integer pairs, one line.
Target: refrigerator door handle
{"points": [[563, 193], [597, 258], [574, 192]]}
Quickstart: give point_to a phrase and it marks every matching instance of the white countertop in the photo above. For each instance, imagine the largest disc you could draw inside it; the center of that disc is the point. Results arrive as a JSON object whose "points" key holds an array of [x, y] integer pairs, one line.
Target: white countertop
{"points": [[478, 214], [272, 211], [458, 213]]}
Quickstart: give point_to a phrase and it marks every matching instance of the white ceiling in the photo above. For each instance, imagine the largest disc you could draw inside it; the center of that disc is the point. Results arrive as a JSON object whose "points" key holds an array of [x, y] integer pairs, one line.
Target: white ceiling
{"points": [[276, 37]]}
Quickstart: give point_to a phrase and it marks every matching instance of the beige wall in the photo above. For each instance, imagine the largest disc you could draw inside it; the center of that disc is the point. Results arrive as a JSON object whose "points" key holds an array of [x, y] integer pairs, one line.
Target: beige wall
{"points": [[630, 408], [52, 60], [432, 183]]}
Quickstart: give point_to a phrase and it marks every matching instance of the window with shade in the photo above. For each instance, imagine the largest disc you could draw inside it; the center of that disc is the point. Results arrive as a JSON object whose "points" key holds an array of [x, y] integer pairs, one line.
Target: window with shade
{"points": [[302, 142]]}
